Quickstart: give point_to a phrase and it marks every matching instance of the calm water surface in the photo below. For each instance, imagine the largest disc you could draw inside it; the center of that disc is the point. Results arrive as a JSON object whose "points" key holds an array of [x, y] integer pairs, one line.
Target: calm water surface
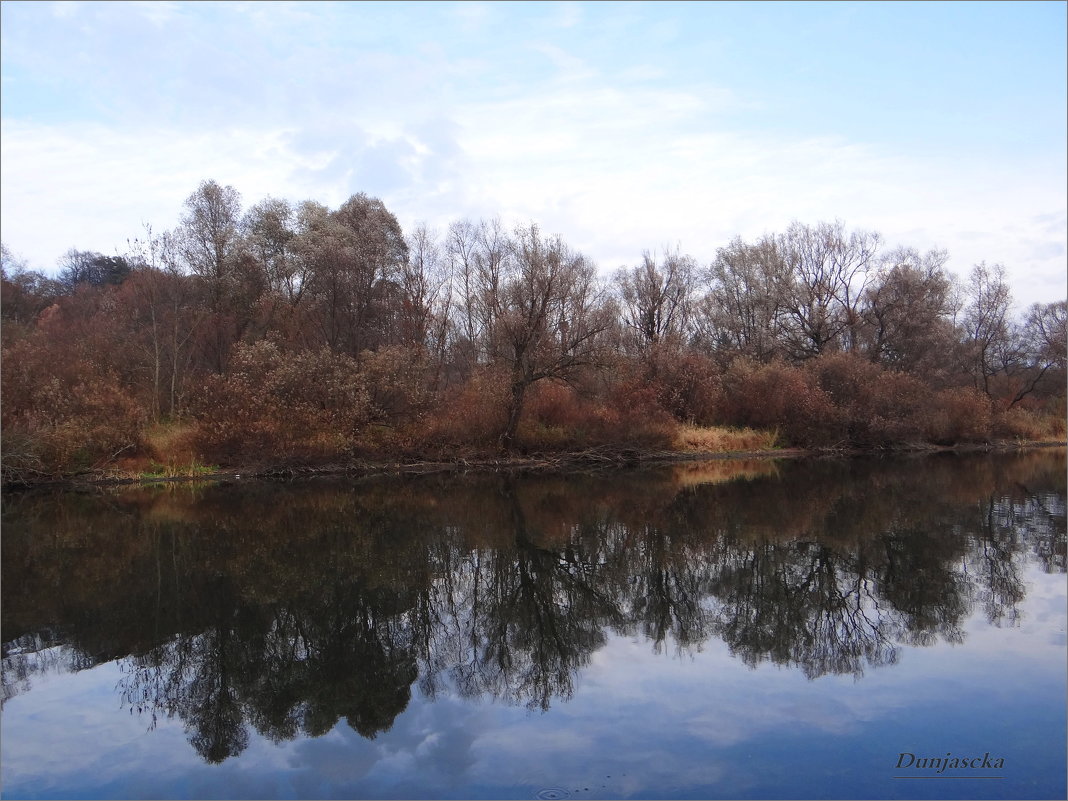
{"points": [[737, 630]]}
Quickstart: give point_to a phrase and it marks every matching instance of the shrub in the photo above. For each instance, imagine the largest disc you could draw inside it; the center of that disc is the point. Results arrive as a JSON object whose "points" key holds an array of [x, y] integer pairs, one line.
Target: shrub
{"points": [[636, 417], [556, 418], [62, 411], [289, 406], [776, 395], [877, 407], [398, 382], [961, 414], [171, 444], [686, 385], [717, 439], [1027, 424], [469, 417]]}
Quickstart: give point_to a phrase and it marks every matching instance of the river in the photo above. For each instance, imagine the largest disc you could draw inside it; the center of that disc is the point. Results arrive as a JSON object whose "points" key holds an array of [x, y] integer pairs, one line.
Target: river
{"points": [[810, 628]]}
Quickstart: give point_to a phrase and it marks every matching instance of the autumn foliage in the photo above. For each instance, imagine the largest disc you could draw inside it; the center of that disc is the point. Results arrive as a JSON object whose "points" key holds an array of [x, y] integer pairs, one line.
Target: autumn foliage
{"points": [[273, 405], [62, 411], [293, 335]]}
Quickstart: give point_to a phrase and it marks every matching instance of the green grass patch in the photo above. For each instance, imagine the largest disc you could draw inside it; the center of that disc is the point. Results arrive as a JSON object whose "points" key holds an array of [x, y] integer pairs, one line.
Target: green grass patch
{"points": [[195, 468]]}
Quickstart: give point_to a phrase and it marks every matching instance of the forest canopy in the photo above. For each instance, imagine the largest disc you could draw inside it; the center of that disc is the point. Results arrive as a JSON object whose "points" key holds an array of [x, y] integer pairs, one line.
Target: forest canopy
{"points": [[292, 334]]}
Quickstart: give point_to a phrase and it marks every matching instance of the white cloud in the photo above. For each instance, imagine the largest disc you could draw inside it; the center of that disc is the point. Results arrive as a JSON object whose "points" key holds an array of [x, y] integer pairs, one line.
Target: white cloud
{"points": [[90, 187], [474, 15], [572, 68], [452, 116], [568, 14], [158, 12], [64, 9], [614, 173]]}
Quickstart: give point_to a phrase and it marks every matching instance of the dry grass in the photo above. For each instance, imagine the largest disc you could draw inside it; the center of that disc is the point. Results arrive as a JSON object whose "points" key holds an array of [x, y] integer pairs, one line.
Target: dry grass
{"points": [[695, 439], [168, 452], [170, 443], [1026, 425]]}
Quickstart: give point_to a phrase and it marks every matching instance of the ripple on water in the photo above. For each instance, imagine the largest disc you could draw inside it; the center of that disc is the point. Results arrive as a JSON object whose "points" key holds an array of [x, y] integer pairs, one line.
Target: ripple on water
{"points": [[552, 793]]}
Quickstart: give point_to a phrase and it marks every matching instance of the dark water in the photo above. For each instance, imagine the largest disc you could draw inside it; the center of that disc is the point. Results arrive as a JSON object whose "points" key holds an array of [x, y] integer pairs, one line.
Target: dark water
{"points": [[734, 630]]}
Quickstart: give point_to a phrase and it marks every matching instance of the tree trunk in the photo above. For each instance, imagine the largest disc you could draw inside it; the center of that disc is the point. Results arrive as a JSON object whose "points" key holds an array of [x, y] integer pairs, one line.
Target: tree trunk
{"points": [[515, 409]]}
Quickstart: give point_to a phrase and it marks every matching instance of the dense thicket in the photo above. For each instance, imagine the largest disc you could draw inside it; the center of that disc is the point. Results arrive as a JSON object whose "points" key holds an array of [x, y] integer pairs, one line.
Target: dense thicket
{"points": [[296, 334]]}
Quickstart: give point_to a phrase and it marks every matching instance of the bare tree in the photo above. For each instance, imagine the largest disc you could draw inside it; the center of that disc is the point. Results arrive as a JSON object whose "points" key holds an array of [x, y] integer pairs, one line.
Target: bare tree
{"points": [[356, 258], [548, 314], [829, 272], [375, 256], [1046, 332], [986, 326], [908, 312], [742, 311], [1041, 344], [209, 244], [427, 289], [270, 234], [320, 246], [209, 232], [24, 294], [655, 298], [460, 244], [165, 317], [84, 267], [476, 255]]}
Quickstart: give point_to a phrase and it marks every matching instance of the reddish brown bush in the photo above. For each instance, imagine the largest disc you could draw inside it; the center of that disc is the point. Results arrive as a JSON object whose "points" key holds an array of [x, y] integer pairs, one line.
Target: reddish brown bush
{"points": [[875, 407], [1021, 423], [398, 380], [284, 406], [896, 412], [778, 396], [841, 399], [469, 418], [635, 417], [62, 412], [556, 418], [686, 384], [958, 415]]}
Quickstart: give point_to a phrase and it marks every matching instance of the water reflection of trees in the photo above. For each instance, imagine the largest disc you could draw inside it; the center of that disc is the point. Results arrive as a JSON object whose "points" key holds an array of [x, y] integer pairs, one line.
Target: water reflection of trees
{"points": [[287, 608], [286, 669]]}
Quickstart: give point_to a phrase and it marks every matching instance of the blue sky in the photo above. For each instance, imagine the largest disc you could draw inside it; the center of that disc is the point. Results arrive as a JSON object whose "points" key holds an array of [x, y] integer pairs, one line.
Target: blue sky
{"points": [[621, 126]]}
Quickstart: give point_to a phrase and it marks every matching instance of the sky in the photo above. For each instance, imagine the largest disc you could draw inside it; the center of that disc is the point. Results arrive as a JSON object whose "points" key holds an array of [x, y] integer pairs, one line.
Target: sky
{"points": [[622, 127]]}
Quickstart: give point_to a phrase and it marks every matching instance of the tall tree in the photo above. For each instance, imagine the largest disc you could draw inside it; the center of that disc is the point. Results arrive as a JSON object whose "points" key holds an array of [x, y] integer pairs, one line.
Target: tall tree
{"points": [[742, 311], [164, 315], [357, 257], [829, 271], [377, 256], [908, 313], [1041, 346], [549, 314], [210, 232], [428, 295], [461, 242], [270, 235], [208, 243], [655, 298], [986, 326], [80, 267], [475, 255], [24, 294]]}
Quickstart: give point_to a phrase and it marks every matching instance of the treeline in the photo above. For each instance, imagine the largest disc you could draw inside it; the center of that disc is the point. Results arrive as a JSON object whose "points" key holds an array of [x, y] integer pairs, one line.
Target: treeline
{"points": [[298, 334]]}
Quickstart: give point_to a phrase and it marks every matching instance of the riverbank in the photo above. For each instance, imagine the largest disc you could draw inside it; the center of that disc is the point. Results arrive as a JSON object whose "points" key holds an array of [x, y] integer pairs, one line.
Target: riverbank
{"points": [[591, 459]]}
